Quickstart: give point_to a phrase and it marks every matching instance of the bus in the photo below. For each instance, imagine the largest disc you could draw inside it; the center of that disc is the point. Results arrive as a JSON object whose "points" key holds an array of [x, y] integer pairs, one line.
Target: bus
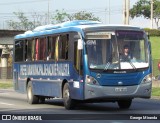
{"points": [[81, 61]]}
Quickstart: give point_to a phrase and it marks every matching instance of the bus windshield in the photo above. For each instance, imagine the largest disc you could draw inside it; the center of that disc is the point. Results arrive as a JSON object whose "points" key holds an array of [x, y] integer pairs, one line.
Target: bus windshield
{"points": [[118, 50]]}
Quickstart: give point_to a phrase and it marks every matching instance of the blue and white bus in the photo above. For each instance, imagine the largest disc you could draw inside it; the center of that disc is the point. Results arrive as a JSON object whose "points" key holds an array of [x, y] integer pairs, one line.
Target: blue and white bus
{"points": [[80, 61]]}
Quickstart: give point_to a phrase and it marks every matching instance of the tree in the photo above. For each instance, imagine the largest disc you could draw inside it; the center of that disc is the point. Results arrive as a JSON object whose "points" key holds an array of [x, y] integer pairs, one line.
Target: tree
{"points": [[83, 15], [39, 19], [24, 23], [156, 14], [142, 8], [62, 16]]}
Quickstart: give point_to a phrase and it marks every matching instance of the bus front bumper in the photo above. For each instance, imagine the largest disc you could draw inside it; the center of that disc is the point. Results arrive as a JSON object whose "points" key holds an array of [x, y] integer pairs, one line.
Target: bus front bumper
{"points": [[118, 92]]}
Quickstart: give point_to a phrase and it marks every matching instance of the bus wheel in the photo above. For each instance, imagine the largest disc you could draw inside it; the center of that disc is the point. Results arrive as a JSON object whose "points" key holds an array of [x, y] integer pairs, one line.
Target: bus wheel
{"points": [[124, 104], [32, 99], [68, 102]]}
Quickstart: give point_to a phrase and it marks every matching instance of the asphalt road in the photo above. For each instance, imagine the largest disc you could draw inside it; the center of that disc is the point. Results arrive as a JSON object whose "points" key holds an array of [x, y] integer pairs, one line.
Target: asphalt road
{"points": [[16, 104]]}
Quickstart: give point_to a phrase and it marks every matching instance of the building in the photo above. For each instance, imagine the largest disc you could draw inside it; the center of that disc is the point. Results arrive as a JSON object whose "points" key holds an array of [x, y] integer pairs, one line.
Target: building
{"points": [[6, 46]]}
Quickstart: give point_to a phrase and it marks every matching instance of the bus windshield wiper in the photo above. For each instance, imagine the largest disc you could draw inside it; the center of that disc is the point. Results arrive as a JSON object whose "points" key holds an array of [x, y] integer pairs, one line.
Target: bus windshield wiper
{"points": [[108, 63], [107, 66], [132, 65], [126, 60]]}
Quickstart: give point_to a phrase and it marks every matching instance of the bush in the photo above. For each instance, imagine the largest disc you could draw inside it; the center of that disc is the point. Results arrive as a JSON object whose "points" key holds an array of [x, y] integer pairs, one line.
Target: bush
{"points": [[152, 32]]}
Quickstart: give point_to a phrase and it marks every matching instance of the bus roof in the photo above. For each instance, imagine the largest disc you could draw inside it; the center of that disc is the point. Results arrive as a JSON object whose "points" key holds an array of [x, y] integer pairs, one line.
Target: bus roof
{"points": [[75, 25]]}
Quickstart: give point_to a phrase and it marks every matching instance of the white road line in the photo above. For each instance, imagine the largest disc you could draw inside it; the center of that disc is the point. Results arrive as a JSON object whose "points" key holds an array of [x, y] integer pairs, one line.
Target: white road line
{"points": [[2, 103]]}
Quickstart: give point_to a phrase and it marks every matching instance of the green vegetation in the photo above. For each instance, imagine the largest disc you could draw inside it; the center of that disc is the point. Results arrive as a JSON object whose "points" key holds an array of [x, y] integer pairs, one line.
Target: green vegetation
{"points": [[155, 44], [142, 9], [6, 85], [156, 91], [24, 23], [152, 32]]}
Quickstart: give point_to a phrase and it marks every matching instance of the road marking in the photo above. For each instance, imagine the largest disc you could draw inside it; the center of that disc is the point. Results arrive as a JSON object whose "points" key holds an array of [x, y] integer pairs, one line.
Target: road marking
{"points": [[6, 103]]}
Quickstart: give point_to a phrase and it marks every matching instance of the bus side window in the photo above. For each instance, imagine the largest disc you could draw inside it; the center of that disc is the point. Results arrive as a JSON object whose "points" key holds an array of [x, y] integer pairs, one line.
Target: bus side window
{"points": [[42, 47], [57, 49], [66, 47], [61, 51], [19, 50], [37, 49], [78, 58], [51, 48], [25, 51], [65, 44], [33, 50], [28, 58]]}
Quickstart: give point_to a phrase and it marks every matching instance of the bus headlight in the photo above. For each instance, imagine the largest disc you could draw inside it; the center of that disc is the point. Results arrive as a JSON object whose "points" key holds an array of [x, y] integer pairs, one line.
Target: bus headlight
{"points": [[147, 79], [90, 80]]}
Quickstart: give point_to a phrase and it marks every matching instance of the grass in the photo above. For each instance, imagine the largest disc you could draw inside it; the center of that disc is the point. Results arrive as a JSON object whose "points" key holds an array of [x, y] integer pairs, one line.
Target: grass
{"points": [[6, 85], [156, 91], [155, 44]]}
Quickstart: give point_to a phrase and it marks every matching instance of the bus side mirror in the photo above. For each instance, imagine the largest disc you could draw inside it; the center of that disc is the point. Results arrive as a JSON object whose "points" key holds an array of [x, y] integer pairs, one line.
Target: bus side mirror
{"points": [[80, 44]]}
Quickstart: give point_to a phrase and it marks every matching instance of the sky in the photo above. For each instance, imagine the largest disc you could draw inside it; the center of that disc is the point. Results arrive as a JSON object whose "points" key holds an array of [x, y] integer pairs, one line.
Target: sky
{"points": [[100, 8]]}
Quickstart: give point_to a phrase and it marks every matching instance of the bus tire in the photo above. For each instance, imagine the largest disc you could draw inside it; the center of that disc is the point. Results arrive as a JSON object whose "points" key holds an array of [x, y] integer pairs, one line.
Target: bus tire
{"points": [[32, 99], [68, 102], [124, 104]]}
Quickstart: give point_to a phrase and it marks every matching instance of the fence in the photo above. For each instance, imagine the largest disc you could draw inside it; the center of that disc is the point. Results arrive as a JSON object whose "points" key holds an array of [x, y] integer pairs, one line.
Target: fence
{"points": [[6, 73]]}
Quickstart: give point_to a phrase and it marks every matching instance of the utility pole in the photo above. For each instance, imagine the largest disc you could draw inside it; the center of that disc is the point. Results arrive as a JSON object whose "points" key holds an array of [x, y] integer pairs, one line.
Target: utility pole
{"points": [[126, 7], [152, 14], [127, 11], [48, 18]]}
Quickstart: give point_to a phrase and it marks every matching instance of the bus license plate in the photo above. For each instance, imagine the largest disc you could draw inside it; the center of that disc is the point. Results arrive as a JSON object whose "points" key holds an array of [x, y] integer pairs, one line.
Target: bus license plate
{"points": [[121, 89]]}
